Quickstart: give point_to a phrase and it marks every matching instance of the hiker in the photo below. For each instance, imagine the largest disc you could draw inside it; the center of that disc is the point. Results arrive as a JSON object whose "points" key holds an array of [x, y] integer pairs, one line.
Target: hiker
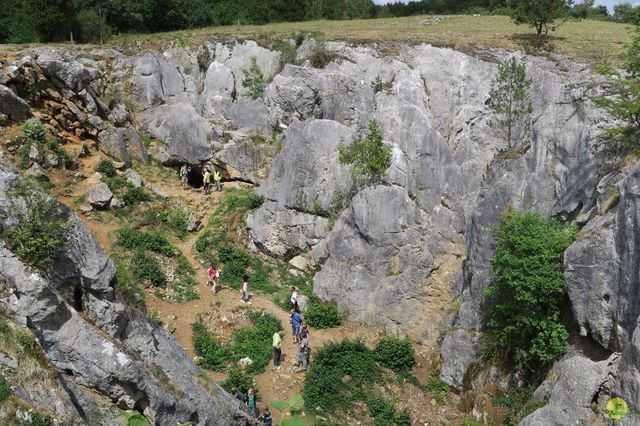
{"points": [[184, 175], [206, 179], [296, 321], [238, 395], [216, 180], [212, 276], [245, 289], [251, 402], [277, 344], [304, 332], [266, 417], [294, 299], [302, 357]]}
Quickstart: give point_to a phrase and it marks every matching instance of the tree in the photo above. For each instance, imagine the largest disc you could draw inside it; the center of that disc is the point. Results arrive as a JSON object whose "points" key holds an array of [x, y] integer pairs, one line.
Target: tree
{"points": [[523, 324], [52, 19], [540, 14], [622, 98], [509, 97], [254, 80], [369, 156]]}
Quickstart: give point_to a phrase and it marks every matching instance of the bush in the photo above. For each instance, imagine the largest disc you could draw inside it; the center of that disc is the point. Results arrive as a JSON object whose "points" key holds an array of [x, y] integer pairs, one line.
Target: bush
{"points": [[135, 196], [527, 291], [235, 262], [212, 355], [396, 354], [5, 389], [256, 342], [254, 80], [107, 168], [33, 130], [322, 315], [341, 374], [240, 380], [145, 267], [40, 230], [179, 221], [238, 201], [369, 156], [154, 241], [320, 56], [384, 413]]}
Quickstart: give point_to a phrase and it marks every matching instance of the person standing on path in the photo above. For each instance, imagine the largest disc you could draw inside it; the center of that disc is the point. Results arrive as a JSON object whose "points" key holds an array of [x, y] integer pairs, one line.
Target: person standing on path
{"points": [[212, 275], [294, 298], [251, 402], [245, 289], [207, 181], [296, 322], [266, 417], [184, 175], [277, 344], [216, 179]]}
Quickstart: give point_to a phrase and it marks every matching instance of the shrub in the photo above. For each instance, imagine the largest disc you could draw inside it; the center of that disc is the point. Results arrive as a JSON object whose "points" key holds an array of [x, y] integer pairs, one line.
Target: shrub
{"points": [[369, 156], [438, 389], [384, 413], [341, 374], [256, 342], [118, 182], [238, 379], [5, 389], [320, 56], [254, 80], [526, 294], [185, 289], [154, 241], [322, 315], [238, 201], [33, 130], [518, 403], [40, 420], [107, 168], [179, 221], [396, 354], [40, 230], [146, 267], [135, 196], [235, 263], [212, 355]]}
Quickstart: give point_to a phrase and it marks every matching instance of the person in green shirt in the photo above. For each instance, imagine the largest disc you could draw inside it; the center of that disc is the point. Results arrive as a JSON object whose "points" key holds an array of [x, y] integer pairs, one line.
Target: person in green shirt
{"points": [[277, 343], [216, 179], [207, 181], [251, 402]]}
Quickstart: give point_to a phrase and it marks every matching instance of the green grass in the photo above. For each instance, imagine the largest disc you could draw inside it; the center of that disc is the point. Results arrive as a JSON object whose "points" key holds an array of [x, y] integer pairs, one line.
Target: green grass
{"points": [[588, 41]]}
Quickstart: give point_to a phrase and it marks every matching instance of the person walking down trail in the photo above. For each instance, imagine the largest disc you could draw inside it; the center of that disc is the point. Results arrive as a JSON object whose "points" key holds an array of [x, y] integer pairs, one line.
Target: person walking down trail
{"points": [[251, 403], [245, 289], [217, 177], [294, 299], [266, 417], [212, 278], [296, 321], [206, 179], [184, 175], [302, 357], [277, 344]]}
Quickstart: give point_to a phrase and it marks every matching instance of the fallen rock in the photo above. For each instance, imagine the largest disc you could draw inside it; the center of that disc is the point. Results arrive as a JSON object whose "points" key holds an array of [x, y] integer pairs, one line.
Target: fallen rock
{"points": [[12, 106], [300, 262], [123, 144], [159, 192], [37, 172], [116, 203], [34, 153], [193, 224], [99, 195], [303, 302], [119, 115], [133, 178], [245, 361], [51, 159]]}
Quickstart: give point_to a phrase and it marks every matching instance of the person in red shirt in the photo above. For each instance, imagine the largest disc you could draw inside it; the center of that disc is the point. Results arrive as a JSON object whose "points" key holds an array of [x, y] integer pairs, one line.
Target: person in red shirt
{"points": [[212, 278]]}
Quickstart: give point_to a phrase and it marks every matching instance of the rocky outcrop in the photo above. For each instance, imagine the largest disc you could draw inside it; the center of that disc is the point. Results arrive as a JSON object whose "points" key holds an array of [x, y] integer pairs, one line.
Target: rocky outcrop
{"points": [[13, 106], [117, 352], [123, 144]]}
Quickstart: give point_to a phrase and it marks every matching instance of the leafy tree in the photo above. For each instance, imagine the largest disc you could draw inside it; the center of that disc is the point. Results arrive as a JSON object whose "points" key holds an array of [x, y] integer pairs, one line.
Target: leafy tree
{"points": [[509, 97], [16, 25], [52, 19], [626, 13], [622, 99], [254, 80], [92, 27], [369, 156], [540, 14], [527, 290]]}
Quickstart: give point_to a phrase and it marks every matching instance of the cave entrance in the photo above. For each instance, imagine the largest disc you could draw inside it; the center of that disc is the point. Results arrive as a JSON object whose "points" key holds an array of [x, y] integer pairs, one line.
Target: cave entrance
{"points": [[195, 178]]}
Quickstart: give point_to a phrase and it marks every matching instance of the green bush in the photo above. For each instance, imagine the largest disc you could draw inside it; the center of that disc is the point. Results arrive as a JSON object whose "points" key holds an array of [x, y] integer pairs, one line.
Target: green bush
{"points": [[154, 241], [212, 355], [135, 196], [40, 420], [384, 413], [238, 201], [179, 221], [185, 289], [40, 231], [523, 324], [5, 389], [33, 130], [240, 380], [322, 315], [254, 80], [235, 262], [369, 156], [438, 389], [396, 354], [107, 168], [256, 342], [146, 267], [320, 56], [118, 182], [68, 162], [518, 403], [341, 374]]}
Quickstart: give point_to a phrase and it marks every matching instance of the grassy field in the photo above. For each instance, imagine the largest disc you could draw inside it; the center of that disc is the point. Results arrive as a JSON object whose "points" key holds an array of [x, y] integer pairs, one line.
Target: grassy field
{"points": [[585, 41]]}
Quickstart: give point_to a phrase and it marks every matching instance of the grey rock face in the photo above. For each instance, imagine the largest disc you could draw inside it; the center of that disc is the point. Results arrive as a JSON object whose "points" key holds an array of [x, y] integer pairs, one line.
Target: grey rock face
{"points": [[13, 106], [99, 195], [123, 144], [570, 387], [64, 70], [185, 133], [155, 80], [245, 160], [133, 178]]}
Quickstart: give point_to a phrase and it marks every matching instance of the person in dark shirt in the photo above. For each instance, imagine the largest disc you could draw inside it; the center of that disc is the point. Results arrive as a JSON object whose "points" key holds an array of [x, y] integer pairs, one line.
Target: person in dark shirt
{"points": [[266, 417]]}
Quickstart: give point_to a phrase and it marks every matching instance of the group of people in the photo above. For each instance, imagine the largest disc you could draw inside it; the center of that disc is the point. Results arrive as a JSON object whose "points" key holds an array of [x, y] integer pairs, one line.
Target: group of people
{"points": [[251, 403], [300, 337], [185, 171], [213, 275]]}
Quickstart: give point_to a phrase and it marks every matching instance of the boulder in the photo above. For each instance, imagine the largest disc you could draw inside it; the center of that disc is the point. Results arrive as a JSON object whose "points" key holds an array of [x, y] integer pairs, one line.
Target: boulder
{"points": [[300, 262], [133, 178], [37, 172], [193, 223], [155, 81], [64, 71], [303, 302], [245, 159], [119, 115], [123, 144], [116, 203], [240, 56], [99, 195], [12, 106]]}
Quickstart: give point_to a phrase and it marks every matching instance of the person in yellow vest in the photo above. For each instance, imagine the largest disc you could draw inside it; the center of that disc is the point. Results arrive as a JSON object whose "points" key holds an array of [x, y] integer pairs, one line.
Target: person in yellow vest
{"points": [[216, 179], [207, 181]]}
